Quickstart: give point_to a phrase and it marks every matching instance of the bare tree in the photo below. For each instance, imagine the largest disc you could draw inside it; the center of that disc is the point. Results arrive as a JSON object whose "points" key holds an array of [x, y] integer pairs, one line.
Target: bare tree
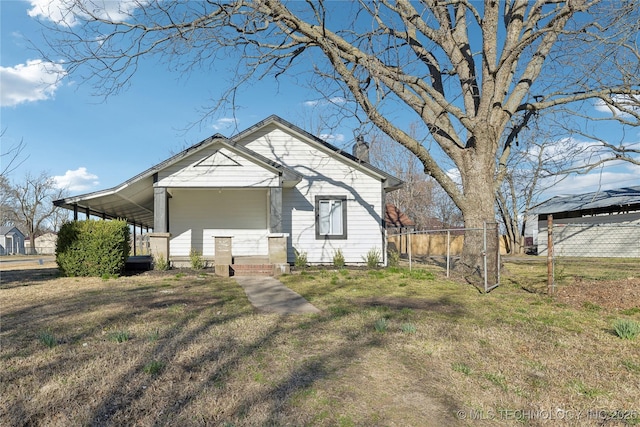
{"points": [[540, 157], [10, 160], [30, 204], [466, 70], [415, 198], [421, 198]]}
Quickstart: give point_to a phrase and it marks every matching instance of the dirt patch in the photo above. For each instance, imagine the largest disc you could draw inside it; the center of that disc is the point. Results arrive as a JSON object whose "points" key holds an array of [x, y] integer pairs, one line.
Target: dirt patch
{"points": [[621, 294]]}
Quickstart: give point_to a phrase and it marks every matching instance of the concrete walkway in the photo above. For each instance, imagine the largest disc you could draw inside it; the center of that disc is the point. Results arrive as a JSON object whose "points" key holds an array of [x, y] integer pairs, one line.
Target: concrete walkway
{"points": [[270, 295]]}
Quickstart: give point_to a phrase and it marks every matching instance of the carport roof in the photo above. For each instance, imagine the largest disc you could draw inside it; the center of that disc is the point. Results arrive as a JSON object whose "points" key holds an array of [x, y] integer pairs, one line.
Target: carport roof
{"points": [[598, 202]]}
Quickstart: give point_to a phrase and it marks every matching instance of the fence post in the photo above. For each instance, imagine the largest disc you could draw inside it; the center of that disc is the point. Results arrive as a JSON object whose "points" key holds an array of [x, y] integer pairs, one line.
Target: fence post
{"points": [[550, 281], [448, 250], [484, 254], [409, 244]]}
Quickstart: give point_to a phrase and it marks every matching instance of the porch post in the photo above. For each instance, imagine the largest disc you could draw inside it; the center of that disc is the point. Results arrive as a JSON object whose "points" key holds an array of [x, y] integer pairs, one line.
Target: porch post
{"points": [[160, 210], [223, 255], [159, 239], [275, 210]]}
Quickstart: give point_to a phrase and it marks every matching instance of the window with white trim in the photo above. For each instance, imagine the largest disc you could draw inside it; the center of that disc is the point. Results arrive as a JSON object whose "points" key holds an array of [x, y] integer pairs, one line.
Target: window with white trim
{"points": [[331, 217]]}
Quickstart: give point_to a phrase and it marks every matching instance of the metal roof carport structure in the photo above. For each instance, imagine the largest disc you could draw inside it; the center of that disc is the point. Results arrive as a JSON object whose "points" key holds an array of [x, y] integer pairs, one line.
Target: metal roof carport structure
{"points": [[598, 224], [131, 201], [620, 200]]}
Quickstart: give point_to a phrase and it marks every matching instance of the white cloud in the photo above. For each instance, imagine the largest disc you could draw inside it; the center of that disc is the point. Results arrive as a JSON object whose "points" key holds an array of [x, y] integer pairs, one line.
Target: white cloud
{"points": [[332, 138], [70, 12], [77, 180], [620, 175], [36, 80], [628, 102], [224, 123], [336, 100]]}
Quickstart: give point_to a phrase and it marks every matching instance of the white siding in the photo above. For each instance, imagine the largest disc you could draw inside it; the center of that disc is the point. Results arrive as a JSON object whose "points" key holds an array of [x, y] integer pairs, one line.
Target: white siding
{"points": [[217, 167], [325, 175], [196, 216], [595, 236]]}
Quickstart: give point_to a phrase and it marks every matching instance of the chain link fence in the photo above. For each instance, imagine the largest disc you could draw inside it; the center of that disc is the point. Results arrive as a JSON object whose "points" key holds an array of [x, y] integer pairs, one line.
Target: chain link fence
{"points": [[444, 247]]}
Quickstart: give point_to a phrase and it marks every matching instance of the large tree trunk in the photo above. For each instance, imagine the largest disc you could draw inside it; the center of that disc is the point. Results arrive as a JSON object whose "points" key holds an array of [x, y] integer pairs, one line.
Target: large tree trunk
{"points": [[479, 255]]}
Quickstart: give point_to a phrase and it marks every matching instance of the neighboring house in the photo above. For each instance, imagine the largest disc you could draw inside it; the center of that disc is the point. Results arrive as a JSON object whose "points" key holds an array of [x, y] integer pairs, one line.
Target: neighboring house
{"points": [[259, 197], [598, 224], [394, 218], [398, 224], [11, 241], [44, 245]]}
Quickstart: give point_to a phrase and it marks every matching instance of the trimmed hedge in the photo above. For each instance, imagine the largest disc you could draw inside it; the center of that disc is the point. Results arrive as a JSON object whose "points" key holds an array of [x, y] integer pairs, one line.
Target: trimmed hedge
{"points": [[93, 248]]}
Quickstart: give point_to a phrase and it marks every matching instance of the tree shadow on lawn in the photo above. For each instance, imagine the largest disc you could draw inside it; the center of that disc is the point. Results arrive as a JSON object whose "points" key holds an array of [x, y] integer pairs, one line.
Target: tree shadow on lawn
{"points": [[443, 305], [15, 278], [203, 357]]}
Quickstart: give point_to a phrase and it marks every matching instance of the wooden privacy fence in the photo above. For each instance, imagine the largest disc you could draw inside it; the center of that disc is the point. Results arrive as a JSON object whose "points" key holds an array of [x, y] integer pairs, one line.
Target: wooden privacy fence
{"points": [[425, 245], [431, 243]]}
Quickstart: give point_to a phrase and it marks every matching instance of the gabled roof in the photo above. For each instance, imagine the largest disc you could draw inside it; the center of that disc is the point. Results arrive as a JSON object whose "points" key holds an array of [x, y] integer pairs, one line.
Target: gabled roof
{"points": [[394, 217], [6, 230], [595, 202], [390, 182], [133, 199]]}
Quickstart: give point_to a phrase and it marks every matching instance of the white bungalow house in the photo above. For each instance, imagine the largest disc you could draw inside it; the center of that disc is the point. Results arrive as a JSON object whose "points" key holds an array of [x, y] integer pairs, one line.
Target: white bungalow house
{"points": [[258, 197], [11, 241]]}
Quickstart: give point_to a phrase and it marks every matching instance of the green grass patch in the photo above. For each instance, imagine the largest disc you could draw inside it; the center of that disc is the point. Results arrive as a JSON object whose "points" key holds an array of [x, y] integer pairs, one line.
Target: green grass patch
{"points": [[463, 368], [153, 368], [408, 328], [381, 325], [630, 311], [627, 329], [120, 336], [631, 365], [48, 339]]}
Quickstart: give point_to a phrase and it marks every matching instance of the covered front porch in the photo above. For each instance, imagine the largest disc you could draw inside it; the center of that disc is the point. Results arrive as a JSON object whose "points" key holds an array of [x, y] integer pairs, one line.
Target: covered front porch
{"points": [[218, 201]]}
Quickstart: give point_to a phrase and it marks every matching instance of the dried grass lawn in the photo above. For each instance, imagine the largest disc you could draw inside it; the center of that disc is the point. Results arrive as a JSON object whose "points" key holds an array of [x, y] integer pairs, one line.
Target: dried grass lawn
{"points": [[187, 349]]}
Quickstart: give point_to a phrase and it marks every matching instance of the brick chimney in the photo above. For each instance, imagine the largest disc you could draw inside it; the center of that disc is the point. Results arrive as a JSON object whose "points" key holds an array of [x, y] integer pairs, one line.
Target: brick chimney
{"points": [[361, 149]]}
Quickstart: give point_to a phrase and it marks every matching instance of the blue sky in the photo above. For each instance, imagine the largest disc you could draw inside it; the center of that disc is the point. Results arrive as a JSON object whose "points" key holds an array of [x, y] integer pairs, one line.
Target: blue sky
{"points": [[90, 144]]}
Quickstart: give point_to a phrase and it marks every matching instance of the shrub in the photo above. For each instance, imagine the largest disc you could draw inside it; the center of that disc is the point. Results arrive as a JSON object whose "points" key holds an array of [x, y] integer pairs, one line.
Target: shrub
{"points": [[373, 258], [93, 248], [626, 328], [160, 263], [394, 258], [301, 259], [338, 259], [197, 262]]}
